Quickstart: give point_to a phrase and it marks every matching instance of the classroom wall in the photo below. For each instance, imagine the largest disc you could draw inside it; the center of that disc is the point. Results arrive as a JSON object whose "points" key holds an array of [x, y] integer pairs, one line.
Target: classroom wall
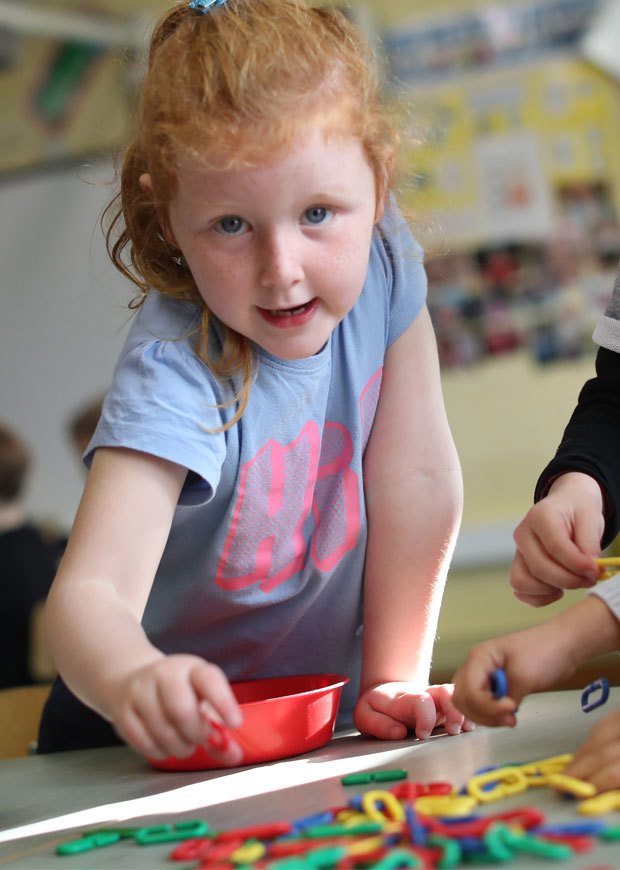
{"points": [[507, 416], [63, 317]]}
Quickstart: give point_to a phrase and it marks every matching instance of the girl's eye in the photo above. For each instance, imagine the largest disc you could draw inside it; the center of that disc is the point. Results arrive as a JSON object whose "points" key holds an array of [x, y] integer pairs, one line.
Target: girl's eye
{"points": [[231, 226], [317, 215]]}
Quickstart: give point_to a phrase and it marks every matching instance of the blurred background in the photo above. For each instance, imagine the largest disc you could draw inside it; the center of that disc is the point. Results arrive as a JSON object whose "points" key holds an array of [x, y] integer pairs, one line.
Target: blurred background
{"points": [[513, 119]]}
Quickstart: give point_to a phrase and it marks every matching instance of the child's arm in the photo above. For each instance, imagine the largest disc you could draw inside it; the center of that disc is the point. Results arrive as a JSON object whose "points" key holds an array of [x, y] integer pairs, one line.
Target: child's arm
{"points": [[534, 659], [414, 500], [570, 523], [558, 540], [598, 759], [93, 613]]}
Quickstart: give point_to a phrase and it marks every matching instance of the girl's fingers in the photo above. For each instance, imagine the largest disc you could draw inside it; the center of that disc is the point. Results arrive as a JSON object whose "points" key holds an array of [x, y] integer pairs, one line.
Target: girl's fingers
{"points": [[198, 721], [173, 708], [151, 704], [448, 715], [210, 684], [134, 732], [417, 712], [181, 709], [220, 740], [391, 714], [371, 718]]}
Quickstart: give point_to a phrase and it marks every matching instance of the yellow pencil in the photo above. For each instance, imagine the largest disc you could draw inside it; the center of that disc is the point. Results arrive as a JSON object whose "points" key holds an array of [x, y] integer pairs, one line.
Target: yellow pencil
{"points": [[609, 560]]}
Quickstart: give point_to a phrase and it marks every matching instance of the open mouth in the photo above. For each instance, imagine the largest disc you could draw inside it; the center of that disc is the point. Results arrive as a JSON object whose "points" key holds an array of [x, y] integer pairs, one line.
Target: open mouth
{"points": [[288, 312], [297, 316]]}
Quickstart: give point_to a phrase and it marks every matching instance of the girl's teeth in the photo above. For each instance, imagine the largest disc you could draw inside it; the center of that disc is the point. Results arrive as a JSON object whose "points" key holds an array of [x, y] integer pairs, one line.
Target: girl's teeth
{"points": [[288, 312]]}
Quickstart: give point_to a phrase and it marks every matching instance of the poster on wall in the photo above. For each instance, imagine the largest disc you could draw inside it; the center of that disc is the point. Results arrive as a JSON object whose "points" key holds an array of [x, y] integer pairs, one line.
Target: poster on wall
{"points": [[516, 174], [66, 83], [514, 197]]}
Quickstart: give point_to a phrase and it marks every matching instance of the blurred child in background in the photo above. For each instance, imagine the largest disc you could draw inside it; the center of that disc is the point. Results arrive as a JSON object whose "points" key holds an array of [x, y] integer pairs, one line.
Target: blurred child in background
{"points": [[27, 569]]}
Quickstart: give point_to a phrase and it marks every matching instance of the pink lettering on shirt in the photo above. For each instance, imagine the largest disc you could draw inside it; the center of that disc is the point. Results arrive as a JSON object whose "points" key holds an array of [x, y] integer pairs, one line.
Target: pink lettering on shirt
{"points": [[368, 404], [336, 505], [279, 487], [265, 542]]}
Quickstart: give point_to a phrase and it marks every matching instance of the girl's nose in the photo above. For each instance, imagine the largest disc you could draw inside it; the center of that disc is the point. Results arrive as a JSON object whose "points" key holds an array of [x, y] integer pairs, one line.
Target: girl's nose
{"points": [[280, 264]]}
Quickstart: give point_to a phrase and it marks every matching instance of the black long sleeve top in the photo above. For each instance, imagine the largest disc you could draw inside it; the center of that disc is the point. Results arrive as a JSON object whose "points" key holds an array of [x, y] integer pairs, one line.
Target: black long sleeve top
{"points": [[591, 440]]}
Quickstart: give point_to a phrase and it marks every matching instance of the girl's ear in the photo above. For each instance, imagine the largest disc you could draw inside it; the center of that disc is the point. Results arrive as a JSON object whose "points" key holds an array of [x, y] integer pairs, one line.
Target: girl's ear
{"points": [[147, 186]]}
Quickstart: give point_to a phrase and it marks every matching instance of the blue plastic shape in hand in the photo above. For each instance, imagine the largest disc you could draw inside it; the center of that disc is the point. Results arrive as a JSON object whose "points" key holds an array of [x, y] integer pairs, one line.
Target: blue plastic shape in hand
{"points": [[498, 683], [603, 685]]}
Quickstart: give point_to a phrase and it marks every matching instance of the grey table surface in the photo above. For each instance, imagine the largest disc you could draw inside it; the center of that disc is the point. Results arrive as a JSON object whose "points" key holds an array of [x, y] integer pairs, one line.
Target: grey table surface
{"points": [[46, 800]]}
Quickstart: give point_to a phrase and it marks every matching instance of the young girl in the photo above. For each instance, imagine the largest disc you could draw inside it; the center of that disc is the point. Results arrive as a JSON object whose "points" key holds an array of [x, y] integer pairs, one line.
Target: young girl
{"points": [[273, 468]]}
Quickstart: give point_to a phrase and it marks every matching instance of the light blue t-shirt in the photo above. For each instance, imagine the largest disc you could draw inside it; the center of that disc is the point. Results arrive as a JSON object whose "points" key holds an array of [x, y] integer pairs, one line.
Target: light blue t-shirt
{"points": [[262, 572]]}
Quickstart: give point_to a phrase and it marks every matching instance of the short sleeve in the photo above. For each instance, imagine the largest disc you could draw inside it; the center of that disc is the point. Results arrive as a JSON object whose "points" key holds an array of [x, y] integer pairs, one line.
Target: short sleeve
{"points": [[403, 261], [164, 401], [607, 330]]}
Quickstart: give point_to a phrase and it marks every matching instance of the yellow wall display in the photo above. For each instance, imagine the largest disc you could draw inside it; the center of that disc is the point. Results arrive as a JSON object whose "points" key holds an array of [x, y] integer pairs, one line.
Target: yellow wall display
{"points": [[561, 118], [63, 99], [507, 111]]}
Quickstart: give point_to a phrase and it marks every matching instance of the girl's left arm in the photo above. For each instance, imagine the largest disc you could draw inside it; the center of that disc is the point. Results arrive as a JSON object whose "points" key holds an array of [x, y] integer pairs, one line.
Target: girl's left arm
{"points": [[414, 498]]}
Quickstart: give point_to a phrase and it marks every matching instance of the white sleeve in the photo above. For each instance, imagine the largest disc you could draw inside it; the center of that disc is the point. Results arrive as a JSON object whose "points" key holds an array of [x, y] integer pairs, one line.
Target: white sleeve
{"points": [[607, 331], [609, 591]]}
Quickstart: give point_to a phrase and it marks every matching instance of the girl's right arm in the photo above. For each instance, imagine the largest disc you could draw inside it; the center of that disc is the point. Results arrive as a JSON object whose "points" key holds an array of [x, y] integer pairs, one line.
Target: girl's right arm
{"points": [[158, 704]]}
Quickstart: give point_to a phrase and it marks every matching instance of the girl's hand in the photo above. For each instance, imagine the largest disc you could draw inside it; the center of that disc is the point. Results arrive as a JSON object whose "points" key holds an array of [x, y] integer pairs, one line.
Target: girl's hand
{"points": [[533, 660], [558, 540], [164, 709], [390, 710], [598, 759]]}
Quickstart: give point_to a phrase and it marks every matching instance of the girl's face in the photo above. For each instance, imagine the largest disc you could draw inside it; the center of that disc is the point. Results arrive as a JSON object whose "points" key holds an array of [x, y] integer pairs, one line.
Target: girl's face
{"points": [[279, 252]]}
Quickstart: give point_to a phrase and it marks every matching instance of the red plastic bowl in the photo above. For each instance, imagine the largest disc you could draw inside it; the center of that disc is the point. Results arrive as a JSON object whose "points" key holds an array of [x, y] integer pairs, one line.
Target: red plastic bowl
{"points": [[282, 716]]}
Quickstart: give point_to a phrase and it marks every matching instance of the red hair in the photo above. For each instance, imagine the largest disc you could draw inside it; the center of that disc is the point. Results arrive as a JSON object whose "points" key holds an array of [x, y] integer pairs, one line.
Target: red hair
{"points": [[231, 88]]}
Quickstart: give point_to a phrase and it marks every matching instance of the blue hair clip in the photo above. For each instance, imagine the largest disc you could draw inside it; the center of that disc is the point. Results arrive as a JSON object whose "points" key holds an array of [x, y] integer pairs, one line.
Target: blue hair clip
{"points": [[204, 6]]}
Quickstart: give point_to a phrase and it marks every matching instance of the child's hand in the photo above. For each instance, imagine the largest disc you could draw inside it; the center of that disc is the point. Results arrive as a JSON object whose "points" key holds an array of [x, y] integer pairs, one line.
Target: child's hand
{"points": [[163, 709], [390, 710], [598, 759], [533, 660], [558, 540]]}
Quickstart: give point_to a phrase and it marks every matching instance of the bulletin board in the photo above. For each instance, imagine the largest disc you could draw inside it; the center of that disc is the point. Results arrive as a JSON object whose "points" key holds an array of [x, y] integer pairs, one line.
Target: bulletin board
{"points": [[513, 176], [498, 146], [62, 98], [512, 168]]}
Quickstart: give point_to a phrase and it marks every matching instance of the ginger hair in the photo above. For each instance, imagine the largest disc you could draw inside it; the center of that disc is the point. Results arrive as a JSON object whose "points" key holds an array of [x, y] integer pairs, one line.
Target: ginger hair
{"points": [[229, 88]]}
